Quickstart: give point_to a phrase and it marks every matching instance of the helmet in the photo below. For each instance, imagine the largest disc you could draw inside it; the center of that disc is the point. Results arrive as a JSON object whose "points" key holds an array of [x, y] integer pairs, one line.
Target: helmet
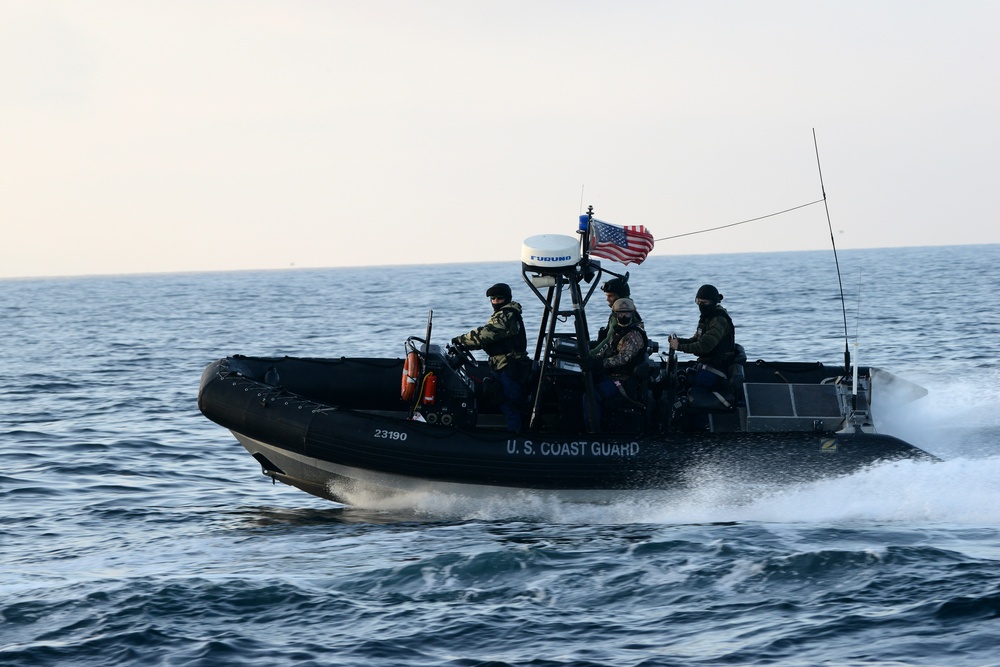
{"points": [[624, 311], [623, 306], [617, 286], [501, 290], [709, 293]]}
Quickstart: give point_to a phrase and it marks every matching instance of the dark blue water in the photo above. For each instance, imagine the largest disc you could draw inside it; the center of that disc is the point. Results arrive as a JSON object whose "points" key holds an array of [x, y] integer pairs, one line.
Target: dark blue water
{"points": [[135, 532]]}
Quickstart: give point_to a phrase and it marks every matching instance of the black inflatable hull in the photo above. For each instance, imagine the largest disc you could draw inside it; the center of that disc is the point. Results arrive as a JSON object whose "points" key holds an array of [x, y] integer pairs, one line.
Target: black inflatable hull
{"points": [[337, 450]]}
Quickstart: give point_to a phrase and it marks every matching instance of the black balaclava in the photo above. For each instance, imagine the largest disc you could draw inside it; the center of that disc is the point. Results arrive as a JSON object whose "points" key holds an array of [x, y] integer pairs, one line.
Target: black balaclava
{"points": [[501, 290], [710, 294]]}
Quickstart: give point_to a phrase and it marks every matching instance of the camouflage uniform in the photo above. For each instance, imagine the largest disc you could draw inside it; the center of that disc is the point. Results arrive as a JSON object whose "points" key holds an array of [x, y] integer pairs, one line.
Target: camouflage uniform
{"points": [[608, 333], [502, 337], [619, 359], [714, 341]]}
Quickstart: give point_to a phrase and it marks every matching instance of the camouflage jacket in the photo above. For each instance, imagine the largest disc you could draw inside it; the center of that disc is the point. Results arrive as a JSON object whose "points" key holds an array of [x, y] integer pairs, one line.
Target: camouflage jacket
{"points": [[502, 337], [714, 341], [609, 333], [626, 351]]}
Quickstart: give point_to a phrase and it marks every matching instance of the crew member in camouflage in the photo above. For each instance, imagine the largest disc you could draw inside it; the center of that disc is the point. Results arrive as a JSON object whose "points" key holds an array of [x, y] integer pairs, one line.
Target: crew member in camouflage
{"points": [[615, 365], [614, 289], [714, 341], [504, 339], [620, 358]]}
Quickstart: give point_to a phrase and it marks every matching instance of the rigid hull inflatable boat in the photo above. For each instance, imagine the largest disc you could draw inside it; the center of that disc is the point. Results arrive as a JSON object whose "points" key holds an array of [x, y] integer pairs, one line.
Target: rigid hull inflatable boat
{"points": [[341, 427]]}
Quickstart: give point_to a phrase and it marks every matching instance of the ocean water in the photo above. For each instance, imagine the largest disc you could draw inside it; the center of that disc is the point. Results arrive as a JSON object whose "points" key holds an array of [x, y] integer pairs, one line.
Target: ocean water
{"points": [[133, 531]]}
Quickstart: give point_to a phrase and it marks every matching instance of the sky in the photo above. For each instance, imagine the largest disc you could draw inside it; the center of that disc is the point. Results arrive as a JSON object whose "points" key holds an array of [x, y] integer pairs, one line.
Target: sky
{"points": [[176, 136]]}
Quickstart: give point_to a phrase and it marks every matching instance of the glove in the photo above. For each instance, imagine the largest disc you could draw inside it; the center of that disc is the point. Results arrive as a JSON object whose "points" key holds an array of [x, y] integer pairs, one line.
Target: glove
{"points": [[456, 341]]}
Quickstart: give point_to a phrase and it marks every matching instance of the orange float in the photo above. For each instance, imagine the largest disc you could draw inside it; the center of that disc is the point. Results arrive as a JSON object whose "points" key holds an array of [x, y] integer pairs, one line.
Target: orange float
{"points": [[411, 370]]}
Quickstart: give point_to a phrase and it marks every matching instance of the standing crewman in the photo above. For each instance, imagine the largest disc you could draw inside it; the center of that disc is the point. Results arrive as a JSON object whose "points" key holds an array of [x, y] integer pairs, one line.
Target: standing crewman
{"points": [[504, 339]]}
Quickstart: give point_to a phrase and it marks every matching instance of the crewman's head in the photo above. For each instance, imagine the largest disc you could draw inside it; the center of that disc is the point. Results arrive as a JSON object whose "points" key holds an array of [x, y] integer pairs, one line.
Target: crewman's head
{"points": [[624, 310], [499, 295], [615, 289], [707, 295]]}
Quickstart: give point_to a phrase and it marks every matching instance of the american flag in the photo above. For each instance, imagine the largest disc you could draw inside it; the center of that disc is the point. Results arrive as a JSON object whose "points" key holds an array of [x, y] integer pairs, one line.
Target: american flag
{"points": [[620, 244]]}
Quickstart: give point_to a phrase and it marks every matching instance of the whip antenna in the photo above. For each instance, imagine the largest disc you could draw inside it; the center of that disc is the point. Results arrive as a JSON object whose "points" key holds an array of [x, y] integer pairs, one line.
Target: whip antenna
{"points": [[857, 336], [843, 307]]}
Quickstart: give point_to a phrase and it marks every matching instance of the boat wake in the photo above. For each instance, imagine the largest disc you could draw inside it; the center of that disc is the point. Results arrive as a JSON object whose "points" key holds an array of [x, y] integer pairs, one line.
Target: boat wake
{"points": [[959, 423], [955, 491], [958, 491], [958, 419]]}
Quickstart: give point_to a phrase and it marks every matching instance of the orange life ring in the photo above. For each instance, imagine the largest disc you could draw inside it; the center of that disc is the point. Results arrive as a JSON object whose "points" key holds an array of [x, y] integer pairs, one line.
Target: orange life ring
{"points": [[411, 370]]}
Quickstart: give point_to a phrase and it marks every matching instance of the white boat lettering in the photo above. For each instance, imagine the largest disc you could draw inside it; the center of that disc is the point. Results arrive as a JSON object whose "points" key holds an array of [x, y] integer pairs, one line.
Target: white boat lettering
{"points": [[389, 435], [573, 448], [614, 448], [525, 447], [563, 448]]}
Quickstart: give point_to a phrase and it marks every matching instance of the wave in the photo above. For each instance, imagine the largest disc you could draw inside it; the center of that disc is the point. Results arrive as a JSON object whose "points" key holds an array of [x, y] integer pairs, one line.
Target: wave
{"points": [[956, 492]]}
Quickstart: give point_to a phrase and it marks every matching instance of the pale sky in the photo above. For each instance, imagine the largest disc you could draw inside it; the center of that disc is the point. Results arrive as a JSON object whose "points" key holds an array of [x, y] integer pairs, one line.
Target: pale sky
{"points": [[150, 136]]}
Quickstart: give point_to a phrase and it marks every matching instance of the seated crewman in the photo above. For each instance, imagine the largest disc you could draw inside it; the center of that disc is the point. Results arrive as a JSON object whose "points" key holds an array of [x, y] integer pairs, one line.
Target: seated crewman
{"points": [[614, 289], [714, 341], [616, 363]]}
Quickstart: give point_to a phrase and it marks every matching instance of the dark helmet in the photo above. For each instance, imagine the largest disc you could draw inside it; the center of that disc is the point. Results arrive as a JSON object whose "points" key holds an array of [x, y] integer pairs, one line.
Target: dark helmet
{"points": [[617, 286], [709, 293], [501, 290]]}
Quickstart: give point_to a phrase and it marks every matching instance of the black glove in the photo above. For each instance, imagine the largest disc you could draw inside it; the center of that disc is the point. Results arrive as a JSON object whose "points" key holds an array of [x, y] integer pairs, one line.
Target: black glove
{"points": [[456, 341]]}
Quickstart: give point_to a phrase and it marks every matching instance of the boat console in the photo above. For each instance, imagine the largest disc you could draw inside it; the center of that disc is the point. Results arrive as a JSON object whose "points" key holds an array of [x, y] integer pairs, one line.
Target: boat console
{"points": [[451, 401]]}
